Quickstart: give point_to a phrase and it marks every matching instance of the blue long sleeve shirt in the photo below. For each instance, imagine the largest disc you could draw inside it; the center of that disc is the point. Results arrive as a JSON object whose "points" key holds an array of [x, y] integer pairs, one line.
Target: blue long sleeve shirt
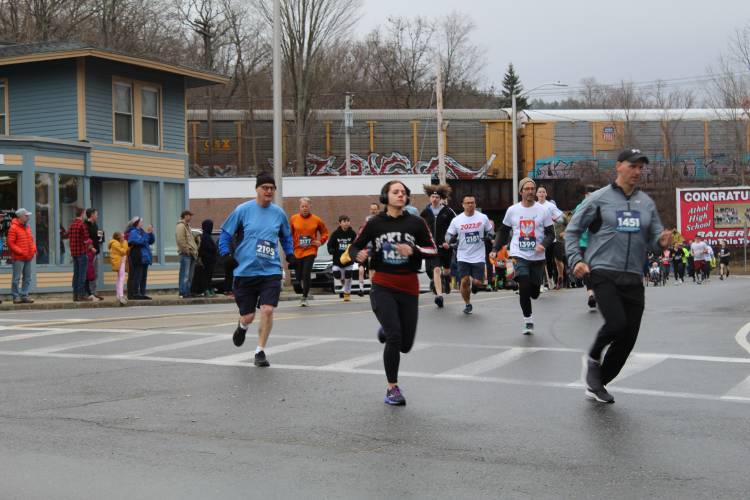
{"points": [[263, 229]]}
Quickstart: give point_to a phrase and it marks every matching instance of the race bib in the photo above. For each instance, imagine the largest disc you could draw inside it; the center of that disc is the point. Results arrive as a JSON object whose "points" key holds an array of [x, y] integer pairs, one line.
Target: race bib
{"points": [[527, 235], [472, 238], [391, 255], [628, 221], [305, 241], [343, 244], [265, 249]]}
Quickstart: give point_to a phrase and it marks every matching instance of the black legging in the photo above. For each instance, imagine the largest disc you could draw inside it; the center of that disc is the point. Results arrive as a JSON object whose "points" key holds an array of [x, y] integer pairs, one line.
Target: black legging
{"points": [[303, 271], [397, 313], [622, 308], [679, 269], [527, 290]]}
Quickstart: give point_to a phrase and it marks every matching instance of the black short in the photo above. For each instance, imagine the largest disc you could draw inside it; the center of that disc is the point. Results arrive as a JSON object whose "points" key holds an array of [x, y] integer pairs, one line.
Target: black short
{"points": [[442, 259], [558, 250], [472, 269], [255, 291], [724, 260]]}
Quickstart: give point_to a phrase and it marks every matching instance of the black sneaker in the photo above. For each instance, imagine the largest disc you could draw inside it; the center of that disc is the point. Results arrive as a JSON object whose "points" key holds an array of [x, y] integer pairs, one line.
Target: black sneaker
{"points": [[239, 335], [593, 374], [260, 360], [468, 309], [394, 397], [439, 301], [528, 329], [599, 395], [381, 335], [592, 302]]}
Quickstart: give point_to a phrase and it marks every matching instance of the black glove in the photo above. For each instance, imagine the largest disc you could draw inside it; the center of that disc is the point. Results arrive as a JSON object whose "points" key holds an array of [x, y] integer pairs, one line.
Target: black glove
{"points": [[291, 260]]}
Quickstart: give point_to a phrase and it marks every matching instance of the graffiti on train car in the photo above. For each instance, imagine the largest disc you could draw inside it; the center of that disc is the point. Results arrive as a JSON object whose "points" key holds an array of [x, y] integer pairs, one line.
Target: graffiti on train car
{"points": [[392, 164]]}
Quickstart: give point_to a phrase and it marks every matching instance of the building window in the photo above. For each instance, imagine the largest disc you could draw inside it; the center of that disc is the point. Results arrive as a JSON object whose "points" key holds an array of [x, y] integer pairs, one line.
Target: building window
{"points": [[43, 213], [150, 116], [3, 106], [123, 112], [174, 204], [69, 196], [8, 207]]}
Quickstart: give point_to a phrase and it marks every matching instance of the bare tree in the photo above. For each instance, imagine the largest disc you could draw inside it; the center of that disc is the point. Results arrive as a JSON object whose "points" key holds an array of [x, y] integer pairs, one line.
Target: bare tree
{"points": [[460, 59], [593, 94]]}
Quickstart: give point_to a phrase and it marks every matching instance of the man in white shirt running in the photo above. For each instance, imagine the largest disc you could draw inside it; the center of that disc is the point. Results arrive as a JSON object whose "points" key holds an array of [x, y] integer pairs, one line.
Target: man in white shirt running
{"points": [[470, 227], [527, 225], [699, 250]]}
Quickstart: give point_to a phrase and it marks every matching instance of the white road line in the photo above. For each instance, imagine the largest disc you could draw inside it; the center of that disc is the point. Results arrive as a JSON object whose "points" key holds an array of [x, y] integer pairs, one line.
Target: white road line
{"points": [[741, 391], [352, 363], [637, 363], [32, 335], [87, 343], [271, 350], [490, 363], [172, 347], [741, 337], [378, 372]]}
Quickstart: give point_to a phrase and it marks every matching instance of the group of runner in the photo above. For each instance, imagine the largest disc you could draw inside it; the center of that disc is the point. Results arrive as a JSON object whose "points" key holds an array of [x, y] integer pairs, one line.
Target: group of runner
{"points": [[605, 243]]}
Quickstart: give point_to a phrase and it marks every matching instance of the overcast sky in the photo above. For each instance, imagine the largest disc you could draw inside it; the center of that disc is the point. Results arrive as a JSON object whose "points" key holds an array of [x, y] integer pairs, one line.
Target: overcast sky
{"points": [[566, 40]]}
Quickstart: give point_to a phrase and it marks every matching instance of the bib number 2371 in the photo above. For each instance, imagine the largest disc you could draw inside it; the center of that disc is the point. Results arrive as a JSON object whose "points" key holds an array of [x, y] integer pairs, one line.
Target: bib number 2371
{"points": [[628, 221]]}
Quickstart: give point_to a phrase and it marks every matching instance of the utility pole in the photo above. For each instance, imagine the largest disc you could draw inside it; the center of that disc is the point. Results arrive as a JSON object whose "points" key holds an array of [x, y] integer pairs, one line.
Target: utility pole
{"points": [[440, 131], [278, 112], [514, 145], [348, 124]]}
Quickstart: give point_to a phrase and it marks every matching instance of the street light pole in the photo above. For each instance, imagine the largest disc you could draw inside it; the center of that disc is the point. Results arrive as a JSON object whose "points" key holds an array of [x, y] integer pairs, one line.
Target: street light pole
{"points": [[278, 113]]}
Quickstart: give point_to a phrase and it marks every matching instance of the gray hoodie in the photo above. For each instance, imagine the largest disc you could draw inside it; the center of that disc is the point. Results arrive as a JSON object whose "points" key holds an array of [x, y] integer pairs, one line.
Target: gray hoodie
{"points": [[622, 230]]}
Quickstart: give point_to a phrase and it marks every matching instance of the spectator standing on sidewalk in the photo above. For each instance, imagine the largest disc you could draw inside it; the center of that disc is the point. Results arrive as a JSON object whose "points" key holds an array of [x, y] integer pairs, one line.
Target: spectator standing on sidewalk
{"points": [[187, 247], [96, 236], [208, 255], [118, 257], [77, 236], [139, 242], [22, 251]]}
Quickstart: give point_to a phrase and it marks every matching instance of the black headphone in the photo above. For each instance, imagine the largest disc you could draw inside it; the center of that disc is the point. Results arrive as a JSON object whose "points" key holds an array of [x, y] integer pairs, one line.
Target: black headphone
{"points": [[387, 186]]}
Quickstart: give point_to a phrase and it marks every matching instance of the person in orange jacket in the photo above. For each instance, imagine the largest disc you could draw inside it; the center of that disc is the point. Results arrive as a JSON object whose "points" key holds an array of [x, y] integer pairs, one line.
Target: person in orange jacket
{"points": [[308, 233], [22, 251]]}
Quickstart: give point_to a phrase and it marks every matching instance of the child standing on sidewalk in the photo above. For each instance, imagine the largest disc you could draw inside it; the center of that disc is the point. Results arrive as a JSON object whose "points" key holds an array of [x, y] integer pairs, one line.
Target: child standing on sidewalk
{"points": [[118, 252]]}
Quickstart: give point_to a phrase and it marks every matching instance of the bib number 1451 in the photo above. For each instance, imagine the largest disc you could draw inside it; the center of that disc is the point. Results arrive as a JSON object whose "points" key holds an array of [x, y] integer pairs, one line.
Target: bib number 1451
{"points": [[628, 221]]}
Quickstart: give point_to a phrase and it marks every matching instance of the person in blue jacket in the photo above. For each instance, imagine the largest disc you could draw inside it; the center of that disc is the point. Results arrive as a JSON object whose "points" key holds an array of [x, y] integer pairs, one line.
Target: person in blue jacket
{"points": [[258, 276], [139, 257]]}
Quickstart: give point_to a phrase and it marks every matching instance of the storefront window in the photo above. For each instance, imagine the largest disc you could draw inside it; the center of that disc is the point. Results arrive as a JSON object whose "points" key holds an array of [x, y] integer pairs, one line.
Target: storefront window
{"points": [[114, 212], [8, 207], [151, 215], [45, 228], [174, 203], [70, 196]]}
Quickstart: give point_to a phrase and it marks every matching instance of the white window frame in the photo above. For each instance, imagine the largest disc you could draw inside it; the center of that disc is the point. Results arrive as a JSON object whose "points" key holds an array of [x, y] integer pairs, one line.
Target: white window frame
{"points": [[157, 91], [130, 86]]}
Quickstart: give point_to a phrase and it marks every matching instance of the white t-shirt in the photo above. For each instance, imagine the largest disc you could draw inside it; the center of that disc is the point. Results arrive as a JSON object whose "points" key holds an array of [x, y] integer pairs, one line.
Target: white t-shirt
{"points": [[554, 212], [528, 225], [699, 250], [471, 232]]}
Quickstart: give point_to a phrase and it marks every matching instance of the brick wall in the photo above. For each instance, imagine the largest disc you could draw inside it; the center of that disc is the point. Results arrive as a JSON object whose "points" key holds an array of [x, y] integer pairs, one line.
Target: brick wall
{"points": [[326, 207]]}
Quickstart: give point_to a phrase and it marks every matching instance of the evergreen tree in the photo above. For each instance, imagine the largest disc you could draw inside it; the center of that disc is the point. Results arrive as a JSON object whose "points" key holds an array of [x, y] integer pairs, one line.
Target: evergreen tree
{"points": [[511, 85]]}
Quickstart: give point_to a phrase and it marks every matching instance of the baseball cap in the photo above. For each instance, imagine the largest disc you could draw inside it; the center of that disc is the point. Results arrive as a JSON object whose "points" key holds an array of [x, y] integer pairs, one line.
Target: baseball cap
{"points": [[632, 155], [22, 211]]}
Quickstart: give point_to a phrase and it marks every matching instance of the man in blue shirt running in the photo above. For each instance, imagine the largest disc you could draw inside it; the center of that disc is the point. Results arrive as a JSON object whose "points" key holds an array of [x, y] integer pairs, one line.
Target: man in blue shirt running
{"points": [[258, 276]]}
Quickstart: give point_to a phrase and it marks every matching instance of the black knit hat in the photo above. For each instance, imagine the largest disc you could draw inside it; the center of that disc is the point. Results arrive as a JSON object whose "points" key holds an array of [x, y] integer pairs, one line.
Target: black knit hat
{"points": [[264, 178]]}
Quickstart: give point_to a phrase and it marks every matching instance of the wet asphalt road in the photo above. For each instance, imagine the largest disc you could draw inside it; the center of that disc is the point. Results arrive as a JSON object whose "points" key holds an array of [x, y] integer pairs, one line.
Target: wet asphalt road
{"points": [[158, 403]]}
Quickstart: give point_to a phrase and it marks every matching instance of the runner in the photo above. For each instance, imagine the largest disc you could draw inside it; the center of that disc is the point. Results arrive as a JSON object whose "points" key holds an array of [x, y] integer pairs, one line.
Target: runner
{"points": [[699, 252], [365, 266], [724, 255], [438, 216], [623, 226], [584, 242], [528, 227], [340, 240], [553, 263], [678, 263], [470, 228], [257, 278], [399, 242], [308, 233]]}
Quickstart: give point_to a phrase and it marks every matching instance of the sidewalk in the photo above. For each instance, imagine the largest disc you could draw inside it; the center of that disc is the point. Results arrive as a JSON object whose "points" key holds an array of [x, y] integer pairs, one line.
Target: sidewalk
{"points": [[52, 301]]}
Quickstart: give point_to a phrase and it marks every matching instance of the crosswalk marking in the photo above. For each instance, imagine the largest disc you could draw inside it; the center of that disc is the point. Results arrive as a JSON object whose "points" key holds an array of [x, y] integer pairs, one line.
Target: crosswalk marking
{"points": [[88, 343], [32, 335], [248, 355], [490, 363], [740, 391], [174, 346], [637, 363], [350, 364]]}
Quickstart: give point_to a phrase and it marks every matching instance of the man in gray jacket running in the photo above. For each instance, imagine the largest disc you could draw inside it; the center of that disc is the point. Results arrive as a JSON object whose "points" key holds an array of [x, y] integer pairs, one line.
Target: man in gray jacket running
{"points": [[623, 226]]}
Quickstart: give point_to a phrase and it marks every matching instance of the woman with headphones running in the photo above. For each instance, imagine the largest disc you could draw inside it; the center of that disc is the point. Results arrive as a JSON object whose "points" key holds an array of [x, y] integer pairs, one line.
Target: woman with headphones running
{"points": [[399, 242]]}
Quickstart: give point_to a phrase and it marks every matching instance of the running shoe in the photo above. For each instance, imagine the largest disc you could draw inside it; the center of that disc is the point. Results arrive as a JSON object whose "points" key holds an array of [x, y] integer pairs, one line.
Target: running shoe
{"points": [[592, 302], [468, 309], [528, 329], [361, 292], [599, 395], [260, 360], [439, 301], [239, 335], [381, 335], [303, 302], [347, 297], [394, 397]]}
